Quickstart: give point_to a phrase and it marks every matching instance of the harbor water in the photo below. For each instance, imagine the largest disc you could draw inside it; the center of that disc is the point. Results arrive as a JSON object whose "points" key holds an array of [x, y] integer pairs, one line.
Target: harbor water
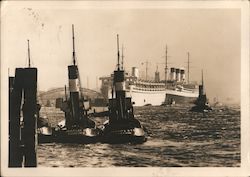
{"points": [[176, 138]]}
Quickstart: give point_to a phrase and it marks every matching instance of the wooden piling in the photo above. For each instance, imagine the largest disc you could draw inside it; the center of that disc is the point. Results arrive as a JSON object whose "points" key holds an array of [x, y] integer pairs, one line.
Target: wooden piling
{"points": [[15, 152], [29, 115], [22, 140]]}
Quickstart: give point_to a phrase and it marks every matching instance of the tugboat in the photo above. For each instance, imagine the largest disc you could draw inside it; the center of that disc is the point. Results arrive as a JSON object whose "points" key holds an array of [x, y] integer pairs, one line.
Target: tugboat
{"points": [[77, 127], [201, 104], [122, 126]]}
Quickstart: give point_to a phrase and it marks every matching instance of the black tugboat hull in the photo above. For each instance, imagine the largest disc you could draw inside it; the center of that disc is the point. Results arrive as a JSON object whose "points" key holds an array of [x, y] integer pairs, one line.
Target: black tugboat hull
{"points": [[79, 136], [134, 136], [202, 109], [45, 139]]}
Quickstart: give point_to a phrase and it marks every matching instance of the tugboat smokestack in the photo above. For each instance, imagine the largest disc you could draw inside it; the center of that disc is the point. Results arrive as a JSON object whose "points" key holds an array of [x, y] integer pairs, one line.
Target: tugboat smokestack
{"points": [[173, 74], [178, 75]]}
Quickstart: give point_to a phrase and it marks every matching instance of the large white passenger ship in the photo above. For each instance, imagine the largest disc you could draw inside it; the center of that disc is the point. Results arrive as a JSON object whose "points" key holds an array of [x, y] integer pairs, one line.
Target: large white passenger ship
{"points": [[155, 92]]}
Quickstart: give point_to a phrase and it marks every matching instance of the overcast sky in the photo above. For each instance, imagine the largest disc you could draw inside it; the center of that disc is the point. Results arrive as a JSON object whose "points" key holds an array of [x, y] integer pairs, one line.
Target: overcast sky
{"points": [[212, 36]]}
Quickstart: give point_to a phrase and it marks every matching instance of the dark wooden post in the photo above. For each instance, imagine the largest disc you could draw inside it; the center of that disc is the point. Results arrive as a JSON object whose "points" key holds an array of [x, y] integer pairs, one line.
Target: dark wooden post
{"points": [[22, 140], [30, 119], [15, 152]]}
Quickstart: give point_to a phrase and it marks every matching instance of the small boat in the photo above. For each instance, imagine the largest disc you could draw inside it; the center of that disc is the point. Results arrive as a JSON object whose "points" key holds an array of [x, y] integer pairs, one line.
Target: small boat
{"points": [[122, 126], [77, 126]]}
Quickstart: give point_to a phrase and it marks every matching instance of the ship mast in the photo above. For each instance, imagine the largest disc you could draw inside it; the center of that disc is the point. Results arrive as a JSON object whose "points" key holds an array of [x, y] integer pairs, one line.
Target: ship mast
{"points": [[166, 66], [202, 84], [74, 61], [29, 53], [118, 54], [73, 36]]}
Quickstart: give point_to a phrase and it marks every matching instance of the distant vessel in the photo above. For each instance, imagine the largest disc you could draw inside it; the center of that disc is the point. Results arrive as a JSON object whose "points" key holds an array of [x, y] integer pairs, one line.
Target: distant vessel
{"points": [[201, 104], [155, 92]]}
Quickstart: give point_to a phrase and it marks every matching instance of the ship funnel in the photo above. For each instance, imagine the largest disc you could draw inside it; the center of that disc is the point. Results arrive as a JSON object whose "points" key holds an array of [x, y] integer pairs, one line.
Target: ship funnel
{"points": [[172, 74], [178, 75], [201, 87], [157, 76], [183, 75], [135, 72]]}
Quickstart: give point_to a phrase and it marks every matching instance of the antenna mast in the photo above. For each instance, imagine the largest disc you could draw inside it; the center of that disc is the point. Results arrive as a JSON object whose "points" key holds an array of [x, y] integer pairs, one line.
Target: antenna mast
{"points": [[73, 36], [29, 53], [188, 67], [146, 70]]}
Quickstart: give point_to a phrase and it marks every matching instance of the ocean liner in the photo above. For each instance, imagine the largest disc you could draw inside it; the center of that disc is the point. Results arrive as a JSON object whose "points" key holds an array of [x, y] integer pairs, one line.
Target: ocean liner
{"points": [[175, 89]]}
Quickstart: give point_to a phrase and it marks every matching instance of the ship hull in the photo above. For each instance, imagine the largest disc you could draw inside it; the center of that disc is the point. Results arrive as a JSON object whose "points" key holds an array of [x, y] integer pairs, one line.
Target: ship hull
{"points": [[157, 98], [135, 136], [180, 97], [83, 136], [45, 135], [142, 98]]}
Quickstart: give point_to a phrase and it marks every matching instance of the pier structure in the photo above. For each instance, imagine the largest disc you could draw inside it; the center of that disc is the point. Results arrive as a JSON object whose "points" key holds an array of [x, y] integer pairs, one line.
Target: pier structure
{"points": [[23, 117]]}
